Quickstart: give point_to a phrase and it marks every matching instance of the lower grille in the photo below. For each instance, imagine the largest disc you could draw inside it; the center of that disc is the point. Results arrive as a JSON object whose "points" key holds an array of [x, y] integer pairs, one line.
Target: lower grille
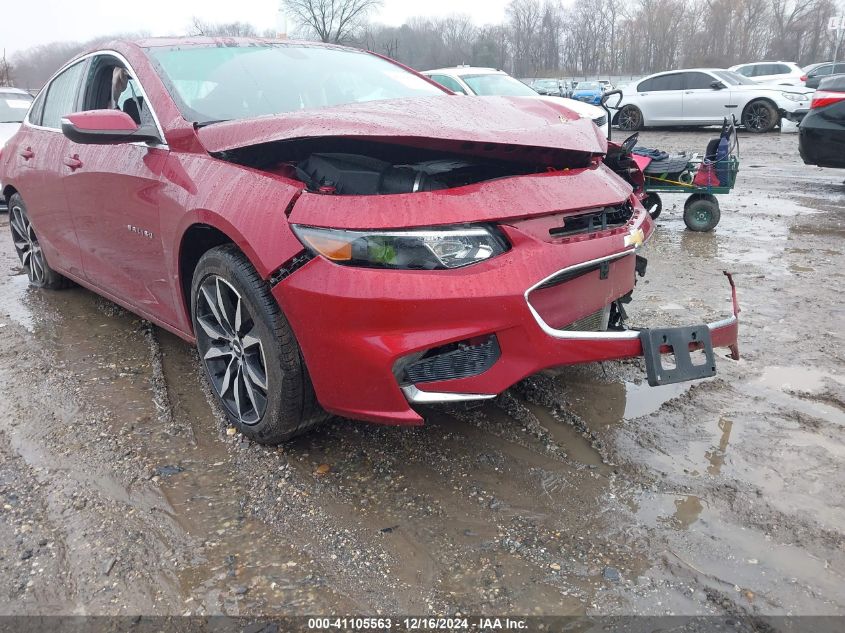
{"points": [[600, 121], [458, 360], [595, 322]]}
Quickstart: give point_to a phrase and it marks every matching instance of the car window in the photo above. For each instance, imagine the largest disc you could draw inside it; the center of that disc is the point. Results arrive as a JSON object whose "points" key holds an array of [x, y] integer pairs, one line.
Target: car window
{"points": [[61, 96], [698, 81], [782, 69], [498, 86], [674, 81], [14, 106], [213, 83], [827, 69], [732, 78], [37, 108], [110, 85], [449, 82]]}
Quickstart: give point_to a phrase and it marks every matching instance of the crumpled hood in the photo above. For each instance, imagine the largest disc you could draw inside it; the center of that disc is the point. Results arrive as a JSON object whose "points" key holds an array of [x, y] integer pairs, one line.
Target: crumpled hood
{"points": [[520, 121]]}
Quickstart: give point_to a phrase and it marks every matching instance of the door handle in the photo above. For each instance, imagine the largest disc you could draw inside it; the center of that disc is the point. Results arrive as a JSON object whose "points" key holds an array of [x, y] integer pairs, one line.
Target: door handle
{"points": [[73, 162], [27, 153], [688, 92]]}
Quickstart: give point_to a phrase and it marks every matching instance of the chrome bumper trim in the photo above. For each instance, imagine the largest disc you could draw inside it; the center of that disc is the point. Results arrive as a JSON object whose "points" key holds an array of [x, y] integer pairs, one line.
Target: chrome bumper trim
{"points": [[598, 336], [417, 396]]}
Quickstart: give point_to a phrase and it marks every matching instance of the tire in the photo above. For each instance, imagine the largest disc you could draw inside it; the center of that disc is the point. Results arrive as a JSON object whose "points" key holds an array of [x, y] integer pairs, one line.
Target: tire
{"points": [[33, 259], [760, 117], [630, 118], [701, 213], [268, 394], [653, 204]]}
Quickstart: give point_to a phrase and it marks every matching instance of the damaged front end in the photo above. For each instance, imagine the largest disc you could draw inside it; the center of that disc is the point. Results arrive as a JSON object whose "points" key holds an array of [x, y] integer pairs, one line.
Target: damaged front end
{"points": [[449, 266]]}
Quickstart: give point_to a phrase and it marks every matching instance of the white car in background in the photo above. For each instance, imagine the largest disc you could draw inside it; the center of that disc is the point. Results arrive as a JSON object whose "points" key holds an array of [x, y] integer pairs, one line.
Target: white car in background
{"points": [[782, 73], [489, 82], [14, 104], [705, 96]]}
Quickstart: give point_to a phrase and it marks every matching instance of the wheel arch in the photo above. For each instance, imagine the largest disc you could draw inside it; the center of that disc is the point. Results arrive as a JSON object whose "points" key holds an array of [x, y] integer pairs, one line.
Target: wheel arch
{"points": [[202, 231], [754, 100], [8, 191]]}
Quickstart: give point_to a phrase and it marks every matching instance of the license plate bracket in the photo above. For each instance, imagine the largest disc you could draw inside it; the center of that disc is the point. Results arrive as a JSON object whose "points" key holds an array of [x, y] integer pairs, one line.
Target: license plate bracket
{"points": [[679, 340]]}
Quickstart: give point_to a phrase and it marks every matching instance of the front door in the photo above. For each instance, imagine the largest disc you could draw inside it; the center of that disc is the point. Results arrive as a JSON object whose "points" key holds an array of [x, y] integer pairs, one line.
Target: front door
{"points": [[704, 104], [114, 193]]}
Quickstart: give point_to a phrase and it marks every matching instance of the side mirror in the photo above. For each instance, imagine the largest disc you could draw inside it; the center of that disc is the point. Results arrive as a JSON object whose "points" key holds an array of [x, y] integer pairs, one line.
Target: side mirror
{"points": [[717, 85], [106, 127]]}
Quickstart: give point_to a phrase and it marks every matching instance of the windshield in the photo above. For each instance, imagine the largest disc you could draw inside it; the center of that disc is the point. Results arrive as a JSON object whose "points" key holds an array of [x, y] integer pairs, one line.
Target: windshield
{"points": [[239, 82], [588, 85], [14, 106], [547, 84], [497, 86], [733, 79]]}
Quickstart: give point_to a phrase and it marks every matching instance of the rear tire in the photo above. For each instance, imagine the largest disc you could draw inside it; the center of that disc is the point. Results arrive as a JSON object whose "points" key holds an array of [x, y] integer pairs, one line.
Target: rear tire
{"points": [[249, 353], [33, 259], [760, 117], [630, 118], [701, 213], [653, 204]]}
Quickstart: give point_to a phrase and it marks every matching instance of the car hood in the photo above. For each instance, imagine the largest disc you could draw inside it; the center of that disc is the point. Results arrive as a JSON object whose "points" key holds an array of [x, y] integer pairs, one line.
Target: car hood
{"points": [[520, 121]]}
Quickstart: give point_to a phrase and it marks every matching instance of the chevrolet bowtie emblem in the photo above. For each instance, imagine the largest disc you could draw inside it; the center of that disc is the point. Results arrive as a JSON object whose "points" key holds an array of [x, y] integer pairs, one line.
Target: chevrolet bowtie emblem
{"points": [[635, 238]]}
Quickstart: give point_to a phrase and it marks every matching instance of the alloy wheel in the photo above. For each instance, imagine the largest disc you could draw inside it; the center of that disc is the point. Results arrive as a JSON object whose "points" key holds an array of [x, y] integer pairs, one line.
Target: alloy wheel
{"points": [[27, 246], [758, 117], [629, 119], [231, 349]]}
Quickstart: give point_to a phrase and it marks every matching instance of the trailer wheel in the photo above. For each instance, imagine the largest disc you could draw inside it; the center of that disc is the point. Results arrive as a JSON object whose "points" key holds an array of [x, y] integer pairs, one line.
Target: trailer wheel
{"points": [[701, 212], [653, 204]]}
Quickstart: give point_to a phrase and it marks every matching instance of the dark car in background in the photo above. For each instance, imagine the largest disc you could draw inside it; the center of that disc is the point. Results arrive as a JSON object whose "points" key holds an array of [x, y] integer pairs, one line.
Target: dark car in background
{"points": [[822, 133], [822, 71]]}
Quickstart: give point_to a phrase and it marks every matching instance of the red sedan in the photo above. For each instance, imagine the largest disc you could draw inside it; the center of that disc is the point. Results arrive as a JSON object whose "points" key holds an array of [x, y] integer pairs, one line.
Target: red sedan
{"points": [[335, 232]]}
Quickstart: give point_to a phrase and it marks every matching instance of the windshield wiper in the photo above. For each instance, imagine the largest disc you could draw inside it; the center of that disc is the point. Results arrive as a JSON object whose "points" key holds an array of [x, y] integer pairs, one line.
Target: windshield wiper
{"points": [[199, 124]]}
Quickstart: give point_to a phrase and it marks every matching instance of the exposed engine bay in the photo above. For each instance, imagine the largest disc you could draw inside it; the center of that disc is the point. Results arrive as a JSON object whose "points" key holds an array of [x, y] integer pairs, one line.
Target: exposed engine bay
{"points": [[344, 166]]}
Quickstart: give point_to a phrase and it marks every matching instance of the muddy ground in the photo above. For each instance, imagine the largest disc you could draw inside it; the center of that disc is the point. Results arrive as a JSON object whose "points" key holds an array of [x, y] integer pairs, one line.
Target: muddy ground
{"points": [[578, 491]]}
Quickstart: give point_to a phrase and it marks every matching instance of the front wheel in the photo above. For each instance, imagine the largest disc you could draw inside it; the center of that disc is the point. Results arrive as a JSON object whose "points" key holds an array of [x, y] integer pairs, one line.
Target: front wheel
{"points": [[630, 118], [760, 117], [701, 213], [249, 353]]}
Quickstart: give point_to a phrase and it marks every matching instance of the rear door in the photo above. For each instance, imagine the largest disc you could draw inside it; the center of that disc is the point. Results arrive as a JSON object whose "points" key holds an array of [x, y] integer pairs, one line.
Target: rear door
{"points": [[661, 99], [114, 192], [40, 153], [704, 104]]}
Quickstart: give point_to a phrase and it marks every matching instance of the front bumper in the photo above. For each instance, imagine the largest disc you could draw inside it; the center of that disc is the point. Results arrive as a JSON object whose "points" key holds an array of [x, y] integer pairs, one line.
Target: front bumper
{"points": [[355, 324]]}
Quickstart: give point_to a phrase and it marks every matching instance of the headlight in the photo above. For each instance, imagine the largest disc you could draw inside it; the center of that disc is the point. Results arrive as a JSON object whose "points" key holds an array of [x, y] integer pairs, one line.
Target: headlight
{"points": [[794, 96], [426, 249]]}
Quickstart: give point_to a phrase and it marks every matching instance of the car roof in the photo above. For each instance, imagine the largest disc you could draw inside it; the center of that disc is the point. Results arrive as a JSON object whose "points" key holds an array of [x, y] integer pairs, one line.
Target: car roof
{"points": [[778, 61], [465, 70]]}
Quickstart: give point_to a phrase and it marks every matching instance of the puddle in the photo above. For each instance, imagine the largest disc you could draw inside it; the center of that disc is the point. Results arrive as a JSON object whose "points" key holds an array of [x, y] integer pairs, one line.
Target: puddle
{"points": [[13, 301], [796, 378], [642, 399]]}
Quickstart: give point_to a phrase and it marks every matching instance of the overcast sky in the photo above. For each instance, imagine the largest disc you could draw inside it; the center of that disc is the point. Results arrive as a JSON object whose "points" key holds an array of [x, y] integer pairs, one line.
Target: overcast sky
{"points": [[25, 23]]}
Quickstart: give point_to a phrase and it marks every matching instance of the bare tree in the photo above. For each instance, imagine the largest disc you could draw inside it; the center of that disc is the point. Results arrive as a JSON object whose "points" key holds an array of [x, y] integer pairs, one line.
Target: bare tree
{"points": [[6, 77], [227, 29], [331, 20]]}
